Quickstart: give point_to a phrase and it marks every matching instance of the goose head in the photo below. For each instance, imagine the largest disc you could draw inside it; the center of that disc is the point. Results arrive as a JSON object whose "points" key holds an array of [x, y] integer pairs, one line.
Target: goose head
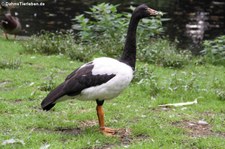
{"points": [[144, 11]]}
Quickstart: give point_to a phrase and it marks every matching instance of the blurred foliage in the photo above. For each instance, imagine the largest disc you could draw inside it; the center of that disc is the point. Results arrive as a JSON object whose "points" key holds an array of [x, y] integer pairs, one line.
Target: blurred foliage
{"points": [[58, 43], [9, 63], [105, 23], [163, 52], [147, 79], [214, 51], [103, 33], [50, 43], [49, 83]]}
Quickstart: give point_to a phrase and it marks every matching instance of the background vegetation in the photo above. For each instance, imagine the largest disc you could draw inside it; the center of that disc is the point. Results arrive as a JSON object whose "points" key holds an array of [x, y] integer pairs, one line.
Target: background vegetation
{"points": [[214, 51]]}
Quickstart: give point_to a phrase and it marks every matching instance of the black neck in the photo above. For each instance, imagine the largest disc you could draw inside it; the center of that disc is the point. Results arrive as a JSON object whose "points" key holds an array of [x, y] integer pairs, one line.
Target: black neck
{"points": [[129, 52]]}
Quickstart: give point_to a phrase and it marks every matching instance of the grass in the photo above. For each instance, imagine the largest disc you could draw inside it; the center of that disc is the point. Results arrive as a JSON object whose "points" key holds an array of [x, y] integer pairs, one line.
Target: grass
{"points": [[73, 124]]}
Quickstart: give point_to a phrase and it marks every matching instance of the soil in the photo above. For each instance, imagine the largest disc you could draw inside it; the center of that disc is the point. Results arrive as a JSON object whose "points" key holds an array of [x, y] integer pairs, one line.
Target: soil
{"points": [[196, 129]]}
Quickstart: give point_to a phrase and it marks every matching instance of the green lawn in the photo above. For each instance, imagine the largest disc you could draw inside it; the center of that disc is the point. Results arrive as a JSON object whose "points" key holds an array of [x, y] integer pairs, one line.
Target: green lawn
{"points": [[25, 80]]}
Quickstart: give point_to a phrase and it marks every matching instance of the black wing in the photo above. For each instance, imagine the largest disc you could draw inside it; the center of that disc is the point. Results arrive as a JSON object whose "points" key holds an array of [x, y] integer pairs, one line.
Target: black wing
{"points": [[9, 23], [78, 80], [83, 78]]}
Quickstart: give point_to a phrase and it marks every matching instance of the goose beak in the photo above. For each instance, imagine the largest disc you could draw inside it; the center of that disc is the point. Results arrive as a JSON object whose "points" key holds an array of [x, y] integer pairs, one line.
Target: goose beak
{"points": [[154, 12]]}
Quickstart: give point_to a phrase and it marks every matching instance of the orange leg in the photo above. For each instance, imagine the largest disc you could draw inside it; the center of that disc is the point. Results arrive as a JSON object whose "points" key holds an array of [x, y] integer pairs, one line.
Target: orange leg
{"points": [[106, 131]]}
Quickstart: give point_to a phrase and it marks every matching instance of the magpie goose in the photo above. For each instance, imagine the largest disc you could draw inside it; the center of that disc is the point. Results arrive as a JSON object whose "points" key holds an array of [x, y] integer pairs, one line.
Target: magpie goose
{"points": [[9, 24], [103, 78]]}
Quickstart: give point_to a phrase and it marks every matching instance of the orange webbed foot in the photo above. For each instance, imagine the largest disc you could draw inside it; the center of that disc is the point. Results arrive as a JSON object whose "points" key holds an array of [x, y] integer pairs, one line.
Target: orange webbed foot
{"points": [[108, 131]]}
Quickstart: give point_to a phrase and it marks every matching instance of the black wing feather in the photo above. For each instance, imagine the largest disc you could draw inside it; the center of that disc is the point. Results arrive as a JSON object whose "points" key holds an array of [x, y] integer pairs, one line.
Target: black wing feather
{"points": [[51, 98], [75, 71], [78, 80], [83, 78], [11, 23]]}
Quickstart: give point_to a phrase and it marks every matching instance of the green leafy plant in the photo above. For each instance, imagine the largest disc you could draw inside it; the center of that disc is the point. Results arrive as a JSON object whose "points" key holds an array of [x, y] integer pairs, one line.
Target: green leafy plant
{"points": [[103, 33], [182, 83], [49, 83], [220, 94], [50, 43], [214, 51], [142, 73], [10, 63], [107, 28], [219, 88], [81, 52], [58, 43], [105, 23], [147, 79], [163, 52]]}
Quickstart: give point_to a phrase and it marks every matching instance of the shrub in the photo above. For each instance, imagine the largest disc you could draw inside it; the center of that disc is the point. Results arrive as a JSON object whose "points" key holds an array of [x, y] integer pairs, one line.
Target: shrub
{"points": [[147, 80], [220, 94], [50, 43], [214, 51], [59, 43], [164, 53], [103, 33], [106, 23], [81, 52], [142, 74], [107, 27], [185, 82]]}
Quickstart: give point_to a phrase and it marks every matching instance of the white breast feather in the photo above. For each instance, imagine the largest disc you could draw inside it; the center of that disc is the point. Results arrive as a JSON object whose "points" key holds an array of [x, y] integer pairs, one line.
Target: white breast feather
{"points": [[123, 76]]}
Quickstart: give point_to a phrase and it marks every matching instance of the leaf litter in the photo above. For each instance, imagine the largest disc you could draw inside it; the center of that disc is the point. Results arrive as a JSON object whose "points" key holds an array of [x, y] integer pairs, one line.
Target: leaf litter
{"points": [[13, 141]]}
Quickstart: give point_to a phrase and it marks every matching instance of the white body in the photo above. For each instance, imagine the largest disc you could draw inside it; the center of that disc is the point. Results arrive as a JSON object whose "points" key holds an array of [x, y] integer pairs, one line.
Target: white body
{"points": [[111, 89]]}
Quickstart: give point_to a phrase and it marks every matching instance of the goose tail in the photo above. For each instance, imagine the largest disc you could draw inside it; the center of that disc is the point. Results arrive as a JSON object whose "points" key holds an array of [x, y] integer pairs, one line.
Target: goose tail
{"points": [[51, 99]]}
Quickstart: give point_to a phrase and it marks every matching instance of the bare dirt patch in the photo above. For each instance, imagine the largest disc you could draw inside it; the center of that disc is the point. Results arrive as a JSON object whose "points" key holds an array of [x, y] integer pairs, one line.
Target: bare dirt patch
{"points": [[18, 101], [197, 129], [125, 141], [124, 135], [88, 123], [70, 131]]}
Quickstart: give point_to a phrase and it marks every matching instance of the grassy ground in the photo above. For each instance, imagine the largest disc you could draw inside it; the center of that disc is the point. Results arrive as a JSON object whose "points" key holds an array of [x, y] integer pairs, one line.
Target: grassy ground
{"points": [[25, 80]]}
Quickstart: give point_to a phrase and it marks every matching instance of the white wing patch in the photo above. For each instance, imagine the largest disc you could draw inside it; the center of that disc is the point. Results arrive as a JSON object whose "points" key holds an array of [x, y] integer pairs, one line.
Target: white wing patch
{"points": [[123, 76]]}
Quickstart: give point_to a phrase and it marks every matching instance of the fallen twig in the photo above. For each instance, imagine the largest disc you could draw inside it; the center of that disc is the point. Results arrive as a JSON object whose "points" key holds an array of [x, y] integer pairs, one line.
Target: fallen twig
{"points": [[179, 104], [13, 141]]}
